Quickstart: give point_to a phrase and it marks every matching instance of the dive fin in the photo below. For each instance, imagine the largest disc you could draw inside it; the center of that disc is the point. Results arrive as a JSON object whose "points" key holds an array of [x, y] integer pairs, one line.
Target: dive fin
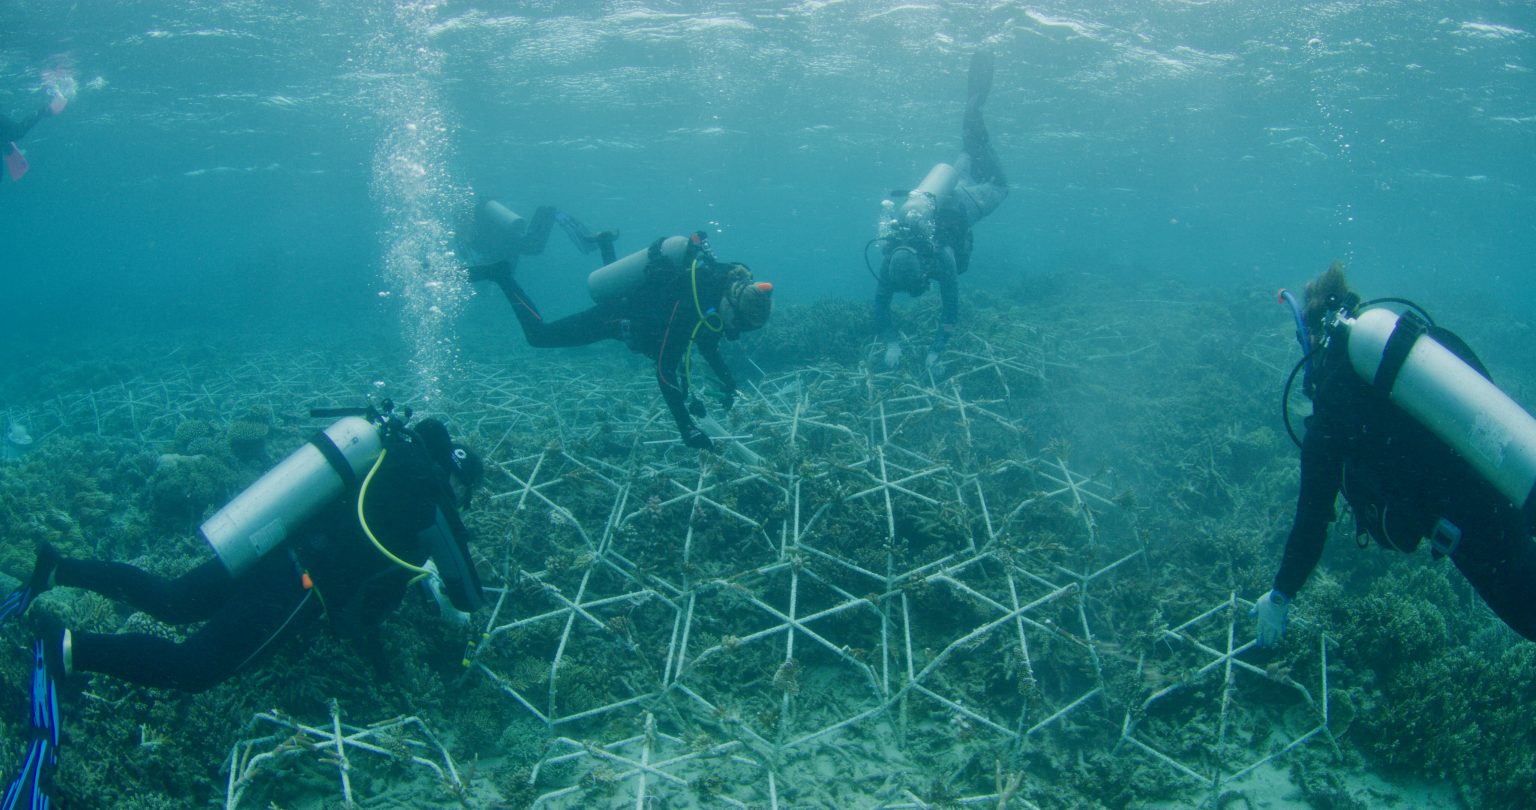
{"points": [[30, 790], [578, 233], [14, 603], [979, 83], [15, 162]]}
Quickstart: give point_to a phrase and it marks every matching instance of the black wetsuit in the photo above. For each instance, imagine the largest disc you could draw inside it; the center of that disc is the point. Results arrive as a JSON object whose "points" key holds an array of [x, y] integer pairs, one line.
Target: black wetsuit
{"points": [[16, 130], [981, 189], [352, 582], [657, 320], [1400, 481]]}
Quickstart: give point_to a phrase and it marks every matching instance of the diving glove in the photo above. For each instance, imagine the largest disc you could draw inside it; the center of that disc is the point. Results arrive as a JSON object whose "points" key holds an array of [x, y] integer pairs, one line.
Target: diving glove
{"points": [[934, 365], [697, 439], [892, 355], [1272, 611]]}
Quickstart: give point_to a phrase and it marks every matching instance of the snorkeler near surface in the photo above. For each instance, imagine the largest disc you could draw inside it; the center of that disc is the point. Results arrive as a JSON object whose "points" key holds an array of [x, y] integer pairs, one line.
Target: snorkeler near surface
{"points": [[338, 529], [661, 302], [926, 240], [11, 131], [1410, 428]]}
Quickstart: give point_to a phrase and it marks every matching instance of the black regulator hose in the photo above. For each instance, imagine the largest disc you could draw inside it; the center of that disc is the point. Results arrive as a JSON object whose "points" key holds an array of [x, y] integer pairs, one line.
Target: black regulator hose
{"points": [[1285, 395], [867, 265]]}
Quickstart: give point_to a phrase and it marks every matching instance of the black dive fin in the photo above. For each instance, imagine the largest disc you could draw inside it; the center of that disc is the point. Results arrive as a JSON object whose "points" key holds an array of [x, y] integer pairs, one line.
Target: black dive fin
{"points": [[979, 83], [578, 233]]}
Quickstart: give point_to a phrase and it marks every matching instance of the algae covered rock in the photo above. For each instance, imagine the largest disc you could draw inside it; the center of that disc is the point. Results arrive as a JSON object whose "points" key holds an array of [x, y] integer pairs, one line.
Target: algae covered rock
{"points": [[184, 487]]}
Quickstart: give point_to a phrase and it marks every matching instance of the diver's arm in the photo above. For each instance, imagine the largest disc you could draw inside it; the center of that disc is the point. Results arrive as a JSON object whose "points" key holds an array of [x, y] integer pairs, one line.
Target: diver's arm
{"points": [[709, 348], [949, 300], [669, 357], [1322, 474]]}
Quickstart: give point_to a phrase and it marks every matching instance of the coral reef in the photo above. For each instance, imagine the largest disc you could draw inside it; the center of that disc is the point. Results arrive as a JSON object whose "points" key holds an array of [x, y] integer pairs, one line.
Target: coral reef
{"points": [[1018, 583]]}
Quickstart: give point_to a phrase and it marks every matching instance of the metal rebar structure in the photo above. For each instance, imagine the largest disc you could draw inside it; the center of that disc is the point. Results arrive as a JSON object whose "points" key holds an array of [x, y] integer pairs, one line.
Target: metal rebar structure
{"points": [[896, 586], [882, 592], [292, 743]]}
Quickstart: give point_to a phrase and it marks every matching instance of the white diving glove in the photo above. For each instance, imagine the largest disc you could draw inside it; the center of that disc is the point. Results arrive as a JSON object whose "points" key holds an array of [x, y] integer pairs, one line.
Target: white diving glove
{"points": [[892, 354], [934, 365], [1271, 610], [434, 588]]}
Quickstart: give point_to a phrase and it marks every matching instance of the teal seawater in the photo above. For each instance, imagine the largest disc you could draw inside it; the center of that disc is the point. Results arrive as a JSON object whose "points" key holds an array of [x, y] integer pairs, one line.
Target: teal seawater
{"points": [[217, 166], [265, 176]]}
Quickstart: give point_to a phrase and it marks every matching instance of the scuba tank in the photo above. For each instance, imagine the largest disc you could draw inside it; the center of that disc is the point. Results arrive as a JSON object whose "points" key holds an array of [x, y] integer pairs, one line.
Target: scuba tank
{"points": [[1451, 399], [617, 279], [262, 516], [912, 225], [496, 229], [930, 194]]}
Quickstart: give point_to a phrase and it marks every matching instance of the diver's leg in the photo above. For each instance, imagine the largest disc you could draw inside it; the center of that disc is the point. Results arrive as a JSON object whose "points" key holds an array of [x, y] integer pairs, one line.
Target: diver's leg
{"points": [[985, 167], [580, 329], [191, 597], [533, 240], [269, 604], [16, 130], [978, 80]]}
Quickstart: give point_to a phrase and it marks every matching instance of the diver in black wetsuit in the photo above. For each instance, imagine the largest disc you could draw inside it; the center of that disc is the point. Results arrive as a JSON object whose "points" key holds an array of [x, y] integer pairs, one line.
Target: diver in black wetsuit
{"points": [[1402, 482], [929, 240], [328, 566], [683, 298], [12, 131], [16, 130]]}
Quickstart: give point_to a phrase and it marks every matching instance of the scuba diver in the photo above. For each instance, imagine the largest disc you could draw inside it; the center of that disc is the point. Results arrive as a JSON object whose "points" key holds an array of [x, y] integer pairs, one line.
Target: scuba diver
{"points": [[927, 239], [495, 233], [660, 301], [12, 131], [1408, 425], [340, 528]]}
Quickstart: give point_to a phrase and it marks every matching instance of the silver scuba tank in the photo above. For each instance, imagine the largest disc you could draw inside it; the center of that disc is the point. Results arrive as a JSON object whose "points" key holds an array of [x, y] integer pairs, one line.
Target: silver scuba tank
{"points": [[497, 228], [929, 195], [619, 278], [1458, 405], [262, 516]]}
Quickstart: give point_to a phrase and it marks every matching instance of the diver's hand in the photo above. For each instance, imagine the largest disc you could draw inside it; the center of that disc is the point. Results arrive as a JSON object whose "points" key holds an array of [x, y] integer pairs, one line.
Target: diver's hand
{"points": [[697, 439], [892, 354], [696, 407], [727, 400], [1271, 610], [934, 365]]}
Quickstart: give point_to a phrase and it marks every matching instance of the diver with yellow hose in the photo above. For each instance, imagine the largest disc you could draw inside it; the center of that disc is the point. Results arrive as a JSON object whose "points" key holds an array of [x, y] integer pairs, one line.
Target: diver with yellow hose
{"points": [[339, 529], [660, 301]]}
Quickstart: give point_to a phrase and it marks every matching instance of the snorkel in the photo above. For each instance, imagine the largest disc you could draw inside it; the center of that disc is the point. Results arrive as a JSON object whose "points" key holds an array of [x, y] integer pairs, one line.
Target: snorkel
{"points": [[1303, 339], [1303, 335]]}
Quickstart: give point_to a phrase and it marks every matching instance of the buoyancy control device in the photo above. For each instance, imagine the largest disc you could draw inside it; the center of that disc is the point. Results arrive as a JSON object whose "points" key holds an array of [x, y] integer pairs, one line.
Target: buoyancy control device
{"points": [[1396, 354], [262, 516], [916, 216], [619, 278]]}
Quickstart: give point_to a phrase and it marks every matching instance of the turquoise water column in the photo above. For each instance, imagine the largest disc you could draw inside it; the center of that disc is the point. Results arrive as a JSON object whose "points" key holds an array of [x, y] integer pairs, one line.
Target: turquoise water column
{"points": [[1329, 69], [414, 190]]}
